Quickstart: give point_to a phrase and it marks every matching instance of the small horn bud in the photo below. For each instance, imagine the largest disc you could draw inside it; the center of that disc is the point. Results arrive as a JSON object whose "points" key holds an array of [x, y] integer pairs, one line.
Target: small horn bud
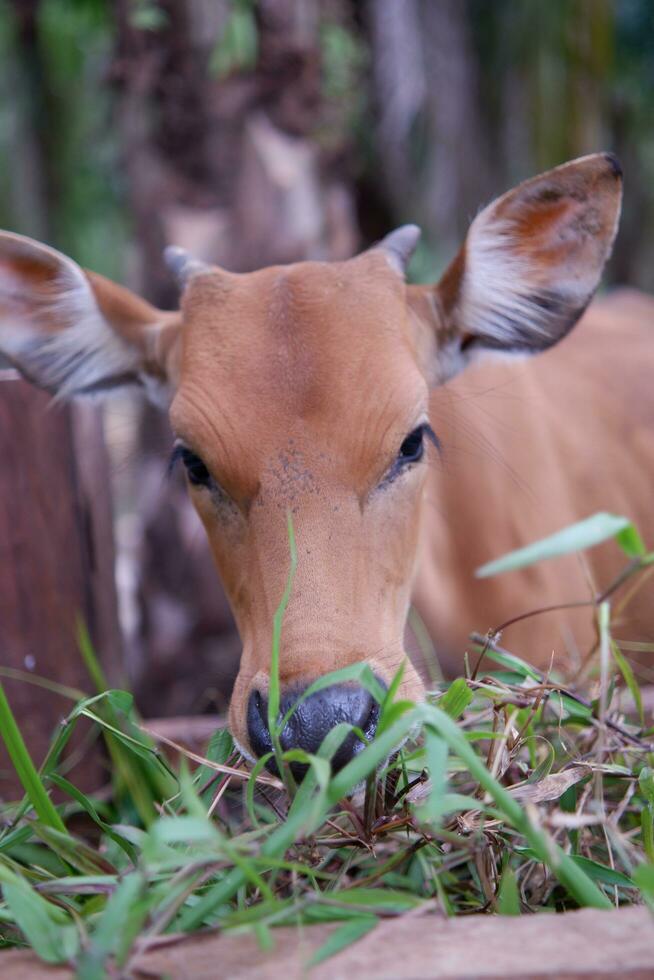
{"points": [[182, 265], [399, 246]]}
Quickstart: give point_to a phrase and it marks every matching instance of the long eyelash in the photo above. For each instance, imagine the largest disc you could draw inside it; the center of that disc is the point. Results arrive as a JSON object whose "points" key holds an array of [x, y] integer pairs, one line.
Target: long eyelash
{"points": [[178, 451], [433, 438]]}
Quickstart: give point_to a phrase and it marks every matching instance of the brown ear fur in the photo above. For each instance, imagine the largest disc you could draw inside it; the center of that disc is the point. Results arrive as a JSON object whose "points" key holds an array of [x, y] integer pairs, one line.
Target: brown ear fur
{"points": [[530, 263], [73, 332]]}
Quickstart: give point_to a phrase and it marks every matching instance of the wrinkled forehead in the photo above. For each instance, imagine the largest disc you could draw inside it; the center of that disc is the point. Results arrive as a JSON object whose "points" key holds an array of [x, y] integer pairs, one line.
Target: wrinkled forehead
{"points": [[297, 340]]}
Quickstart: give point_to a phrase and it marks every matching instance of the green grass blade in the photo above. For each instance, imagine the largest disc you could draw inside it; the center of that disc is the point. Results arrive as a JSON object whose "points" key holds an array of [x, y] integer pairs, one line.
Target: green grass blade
{"points": [[508, 898], [360, 673], [436, 753], [273, 691], [630, 680], [90, 658], [579, 885], [87, 804], [25, 768], [116, 929], [47, 928], [643, 877]]}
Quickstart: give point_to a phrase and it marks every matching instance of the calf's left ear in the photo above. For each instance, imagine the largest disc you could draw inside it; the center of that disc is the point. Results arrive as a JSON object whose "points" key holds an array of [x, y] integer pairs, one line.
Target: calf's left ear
{"points": [[529, 266]]}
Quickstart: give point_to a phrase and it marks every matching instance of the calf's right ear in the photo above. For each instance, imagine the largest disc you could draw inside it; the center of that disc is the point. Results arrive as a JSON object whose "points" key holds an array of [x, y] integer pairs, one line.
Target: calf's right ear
{"points": [[74, 332]]}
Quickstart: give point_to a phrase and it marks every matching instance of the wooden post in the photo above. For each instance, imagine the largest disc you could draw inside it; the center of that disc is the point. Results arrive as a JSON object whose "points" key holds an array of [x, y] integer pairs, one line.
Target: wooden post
{"points": [[56, 561]]}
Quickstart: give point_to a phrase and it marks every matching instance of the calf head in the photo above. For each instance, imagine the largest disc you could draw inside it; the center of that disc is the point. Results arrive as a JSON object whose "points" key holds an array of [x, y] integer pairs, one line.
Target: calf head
{"points": [[304, 389]]}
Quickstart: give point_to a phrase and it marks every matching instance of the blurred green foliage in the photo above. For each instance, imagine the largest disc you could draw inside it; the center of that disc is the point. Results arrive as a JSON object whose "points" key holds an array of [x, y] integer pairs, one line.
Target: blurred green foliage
{"points": [[59, 146], [236, 48], [552, 81]]}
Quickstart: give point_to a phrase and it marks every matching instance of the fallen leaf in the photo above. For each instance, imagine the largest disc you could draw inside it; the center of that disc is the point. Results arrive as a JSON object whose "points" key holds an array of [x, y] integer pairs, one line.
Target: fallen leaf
{"points": [[552, 787]]}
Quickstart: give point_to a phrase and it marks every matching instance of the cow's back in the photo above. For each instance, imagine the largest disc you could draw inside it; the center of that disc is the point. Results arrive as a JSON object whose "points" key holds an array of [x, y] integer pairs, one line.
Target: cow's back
{"points": [[529, 447]]}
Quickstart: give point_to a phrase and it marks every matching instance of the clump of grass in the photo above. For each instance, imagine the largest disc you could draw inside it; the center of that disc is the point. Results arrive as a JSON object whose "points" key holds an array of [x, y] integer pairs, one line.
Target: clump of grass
{"points": [[510, 793]]}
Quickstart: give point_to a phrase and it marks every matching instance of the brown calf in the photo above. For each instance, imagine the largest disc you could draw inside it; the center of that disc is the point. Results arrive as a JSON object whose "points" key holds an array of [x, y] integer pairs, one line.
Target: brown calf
{"points": [[307, 388]]}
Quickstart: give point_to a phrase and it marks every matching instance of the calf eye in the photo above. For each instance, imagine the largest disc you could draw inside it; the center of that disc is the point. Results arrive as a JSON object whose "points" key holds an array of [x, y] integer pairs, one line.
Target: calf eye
{"points": [[197, 472], [413, 447]]}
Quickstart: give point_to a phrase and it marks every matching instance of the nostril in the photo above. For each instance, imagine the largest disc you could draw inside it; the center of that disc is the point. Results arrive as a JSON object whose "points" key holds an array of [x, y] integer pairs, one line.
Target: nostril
{"points": [[370, 719], [364, 715], [257, 723]]}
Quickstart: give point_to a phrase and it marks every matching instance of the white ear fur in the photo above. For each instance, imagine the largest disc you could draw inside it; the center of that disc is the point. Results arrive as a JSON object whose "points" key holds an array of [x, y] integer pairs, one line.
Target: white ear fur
{"points": [[500, 301], [52, 328], [531, 262]]}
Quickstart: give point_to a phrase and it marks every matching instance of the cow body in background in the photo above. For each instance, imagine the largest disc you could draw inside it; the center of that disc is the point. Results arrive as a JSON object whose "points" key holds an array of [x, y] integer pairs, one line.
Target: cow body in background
{"points": [[530, 447]]}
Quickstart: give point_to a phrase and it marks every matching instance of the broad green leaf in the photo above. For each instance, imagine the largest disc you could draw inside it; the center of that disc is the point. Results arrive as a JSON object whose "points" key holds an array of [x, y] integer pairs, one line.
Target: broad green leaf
{"points": [[599, 872], [456, 699], [514, 663], [344, 936], [237, 45], [577, 537]]}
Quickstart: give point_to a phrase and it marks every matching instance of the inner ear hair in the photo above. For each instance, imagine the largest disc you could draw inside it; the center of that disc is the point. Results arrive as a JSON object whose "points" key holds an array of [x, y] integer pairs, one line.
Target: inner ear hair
{"points": [[75, 333], [532, 260]]}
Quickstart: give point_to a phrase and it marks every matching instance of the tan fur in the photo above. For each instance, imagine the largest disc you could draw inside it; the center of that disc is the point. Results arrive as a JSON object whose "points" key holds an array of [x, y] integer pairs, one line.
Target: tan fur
{"points": [[296, 386], [530, 447]]}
